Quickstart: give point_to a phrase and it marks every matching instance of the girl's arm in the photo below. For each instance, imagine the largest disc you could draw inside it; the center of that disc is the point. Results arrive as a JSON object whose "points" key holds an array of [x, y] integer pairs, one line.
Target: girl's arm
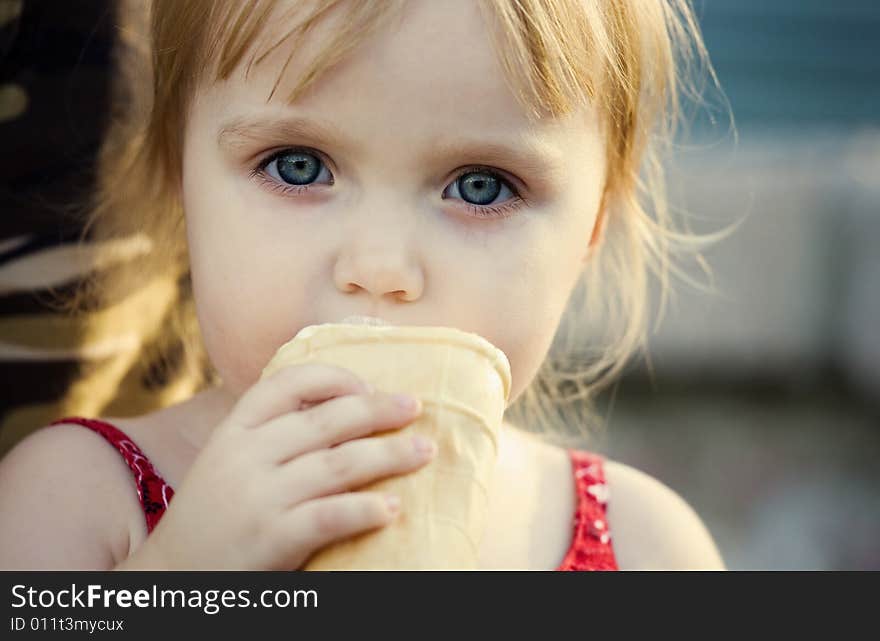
{"points": [[65, 499], [654, 528]]}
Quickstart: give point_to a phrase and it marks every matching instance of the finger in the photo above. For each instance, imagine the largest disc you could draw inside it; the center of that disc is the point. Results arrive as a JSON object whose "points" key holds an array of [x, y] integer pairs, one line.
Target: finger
{"points": [[288, 389], [314, 524], [352, 465], [333, 422]]}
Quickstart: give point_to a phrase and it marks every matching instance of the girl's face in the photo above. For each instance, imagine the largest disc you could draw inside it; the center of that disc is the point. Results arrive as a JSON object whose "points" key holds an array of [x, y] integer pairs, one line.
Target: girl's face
{"points": [[406, 184]]}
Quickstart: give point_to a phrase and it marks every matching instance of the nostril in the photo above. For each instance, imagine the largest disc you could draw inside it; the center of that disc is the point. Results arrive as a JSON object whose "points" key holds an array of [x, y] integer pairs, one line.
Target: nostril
{"points": [[400, 294]]}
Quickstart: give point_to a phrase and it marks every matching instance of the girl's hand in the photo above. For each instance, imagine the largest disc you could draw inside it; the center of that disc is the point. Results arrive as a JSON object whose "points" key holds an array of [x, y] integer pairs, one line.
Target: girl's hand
{"points": [[272, 484]]}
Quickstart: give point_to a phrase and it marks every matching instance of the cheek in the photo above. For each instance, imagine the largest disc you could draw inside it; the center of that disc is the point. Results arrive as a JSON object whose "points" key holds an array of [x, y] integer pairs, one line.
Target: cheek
{"points": [[236, 323], [524, 301], [244, 321], [250, 303], [248, 293]]}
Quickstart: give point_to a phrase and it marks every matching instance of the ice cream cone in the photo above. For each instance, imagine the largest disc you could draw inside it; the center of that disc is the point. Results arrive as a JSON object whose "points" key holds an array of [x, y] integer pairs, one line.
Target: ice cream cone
{"points": [[464, 383]]}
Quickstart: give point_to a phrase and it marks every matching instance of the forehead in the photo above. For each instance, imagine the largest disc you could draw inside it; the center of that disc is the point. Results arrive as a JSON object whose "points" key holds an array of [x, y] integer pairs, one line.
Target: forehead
{"points": [[434, 57]]}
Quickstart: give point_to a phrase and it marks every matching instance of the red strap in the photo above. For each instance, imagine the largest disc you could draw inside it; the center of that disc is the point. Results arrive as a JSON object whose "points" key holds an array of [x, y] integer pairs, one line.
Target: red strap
{"points": [[154, 493], [591, 547]]}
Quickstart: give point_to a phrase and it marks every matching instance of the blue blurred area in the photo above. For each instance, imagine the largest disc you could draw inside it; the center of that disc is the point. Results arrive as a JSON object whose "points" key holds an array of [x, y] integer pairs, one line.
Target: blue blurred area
{"points": [[760, 400], [795, 63]]}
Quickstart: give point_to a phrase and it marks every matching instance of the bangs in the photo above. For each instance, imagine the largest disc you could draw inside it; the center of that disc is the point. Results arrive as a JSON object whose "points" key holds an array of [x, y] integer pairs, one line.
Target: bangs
{"points": [[246, 34], [554, 57]]}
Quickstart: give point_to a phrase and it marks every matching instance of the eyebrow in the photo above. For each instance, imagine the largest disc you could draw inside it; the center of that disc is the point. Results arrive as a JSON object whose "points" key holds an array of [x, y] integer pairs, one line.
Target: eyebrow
{"points": [[530, 156], [241, 130]]}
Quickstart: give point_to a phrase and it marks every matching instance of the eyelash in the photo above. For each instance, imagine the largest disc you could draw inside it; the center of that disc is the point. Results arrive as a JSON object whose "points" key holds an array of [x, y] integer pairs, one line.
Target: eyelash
{"points": [[481, 211]]}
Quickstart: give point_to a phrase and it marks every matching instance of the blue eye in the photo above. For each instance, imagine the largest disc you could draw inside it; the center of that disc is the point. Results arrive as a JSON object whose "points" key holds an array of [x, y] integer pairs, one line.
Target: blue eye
{"points": [[481, 187], [296, 168]]}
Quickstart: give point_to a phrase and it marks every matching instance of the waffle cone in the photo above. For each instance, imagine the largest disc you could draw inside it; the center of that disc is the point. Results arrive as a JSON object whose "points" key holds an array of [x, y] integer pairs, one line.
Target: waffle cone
{"points": [[463, 382]]}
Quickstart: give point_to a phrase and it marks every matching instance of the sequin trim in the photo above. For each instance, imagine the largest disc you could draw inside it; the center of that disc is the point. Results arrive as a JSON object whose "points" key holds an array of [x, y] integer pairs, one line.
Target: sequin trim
{"points": [[591, 547]]}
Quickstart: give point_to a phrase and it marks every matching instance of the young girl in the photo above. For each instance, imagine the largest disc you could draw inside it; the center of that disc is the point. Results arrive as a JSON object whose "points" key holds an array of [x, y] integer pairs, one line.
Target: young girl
{"points": [[463, 163]]}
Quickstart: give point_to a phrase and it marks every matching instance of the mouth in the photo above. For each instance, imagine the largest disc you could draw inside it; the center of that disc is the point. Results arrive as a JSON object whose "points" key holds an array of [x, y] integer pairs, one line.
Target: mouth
{"points": [[364, 320]]}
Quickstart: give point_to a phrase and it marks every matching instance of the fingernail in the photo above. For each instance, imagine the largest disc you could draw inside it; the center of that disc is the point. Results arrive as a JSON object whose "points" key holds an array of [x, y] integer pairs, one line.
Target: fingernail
{"points": [[405, 401], [393, 503], [424, 445]]}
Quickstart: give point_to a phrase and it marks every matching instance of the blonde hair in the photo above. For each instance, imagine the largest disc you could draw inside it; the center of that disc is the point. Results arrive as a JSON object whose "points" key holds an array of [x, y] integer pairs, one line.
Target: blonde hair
{"points": [[631, 58]]}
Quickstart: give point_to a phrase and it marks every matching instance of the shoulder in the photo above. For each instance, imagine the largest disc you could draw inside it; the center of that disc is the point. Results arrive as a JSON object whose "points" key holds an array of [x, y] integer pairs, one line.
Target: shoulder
{"points": [[55, 486], [654, 528]]}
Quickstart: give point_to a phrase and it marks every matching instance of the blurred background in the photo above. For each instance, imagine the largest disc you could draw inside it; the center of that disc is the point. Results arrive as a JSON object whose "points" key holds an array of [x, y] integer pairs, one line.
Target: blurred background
{"points": [[760, 404]]}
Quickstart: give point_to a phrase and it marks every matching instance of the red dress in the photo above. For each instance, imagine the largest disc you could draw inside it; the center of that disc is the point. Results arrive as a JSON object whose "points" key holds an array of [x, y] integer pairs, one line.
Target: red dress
{"points": [[590, 548]]}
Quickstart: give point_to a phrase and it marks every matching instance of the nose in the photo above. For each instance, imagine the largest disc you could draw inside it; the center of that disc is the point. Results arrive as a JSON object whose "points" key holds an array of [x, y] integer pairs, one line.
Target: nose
{"points": [[382, 263]]}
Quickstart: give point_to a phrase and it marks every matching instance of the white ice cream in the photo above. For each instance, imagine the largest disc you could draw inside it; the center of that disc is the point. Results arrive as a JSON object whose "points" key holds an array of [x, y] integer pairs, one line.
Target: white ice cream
{"points": [[364, 320]]}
